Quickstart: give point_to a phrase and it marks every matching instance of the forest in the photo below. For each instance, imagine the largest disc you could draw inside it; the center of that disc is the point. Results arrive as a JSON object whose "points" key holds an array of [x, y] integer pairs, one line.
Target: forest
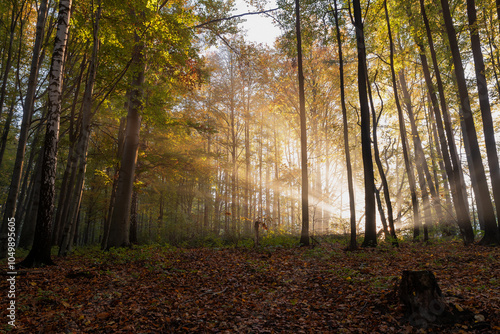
{"points": [[160, 172]]}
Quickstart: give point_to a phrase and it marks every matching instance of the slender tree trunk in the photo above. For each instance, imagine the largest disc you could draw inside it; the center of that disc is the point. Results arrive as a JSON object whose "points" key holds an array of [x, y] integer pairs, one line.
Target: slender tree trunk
{"points": [[40, 252], [70, 170], [36, 60], [385, 184], [304, 235], [492, 234], [15, 14], [476, 167], [119, 232], [83, 141], [419, 157], [350, 184], [6, 130], [402, 130]]}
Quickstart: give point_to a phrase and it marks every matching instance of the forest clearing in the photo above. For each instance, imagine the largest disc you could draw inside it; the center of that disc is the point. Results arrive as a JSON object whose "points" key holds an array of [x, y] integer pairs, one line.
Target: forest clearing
{"points": [[162, 171], [274, 289]]}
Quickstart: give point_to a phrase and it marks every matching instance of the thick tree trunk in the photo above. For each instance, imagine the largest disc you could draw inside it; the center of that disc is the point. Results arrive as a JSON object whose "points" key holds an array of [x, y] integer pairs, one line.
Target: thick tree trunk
{"points": [[304, 235], [40, 252], [36, 60], [119, 232], [491, 233], [476, 167], [369, 178]]}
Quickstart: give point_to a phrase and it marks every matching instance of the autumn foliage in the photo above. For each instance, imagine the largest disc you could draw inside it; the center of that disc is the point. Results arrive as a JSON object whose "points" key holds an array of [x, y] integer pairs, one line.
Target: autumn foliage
{"points": [[160, 289]]}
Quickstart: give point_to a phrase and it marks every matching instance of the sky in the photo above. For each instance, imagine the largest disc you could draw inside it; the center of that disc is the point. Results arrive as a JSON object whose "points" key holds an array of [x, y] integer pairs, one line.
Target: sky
{"points": [[260, 28]]}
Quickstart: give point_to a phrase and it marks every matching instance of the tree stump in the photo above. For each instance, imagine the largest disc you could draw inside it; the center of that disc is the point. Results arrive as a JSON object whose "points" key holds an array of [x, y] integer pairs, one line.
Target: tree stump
{"points": [[423, 300]]}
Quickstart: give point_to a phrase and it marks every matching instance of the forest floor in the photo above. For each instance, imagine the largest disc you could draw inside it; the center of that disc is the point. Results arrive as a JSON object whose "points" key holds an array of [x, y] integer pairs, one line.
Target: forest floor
{"points": [[158, 289]]}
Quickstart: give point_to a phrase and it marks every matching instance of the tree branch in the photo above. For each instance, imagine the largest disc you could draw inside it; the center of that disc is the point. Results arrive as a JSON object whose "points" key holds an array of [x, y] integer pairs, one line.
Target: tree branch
{"points": [[234, 16]]}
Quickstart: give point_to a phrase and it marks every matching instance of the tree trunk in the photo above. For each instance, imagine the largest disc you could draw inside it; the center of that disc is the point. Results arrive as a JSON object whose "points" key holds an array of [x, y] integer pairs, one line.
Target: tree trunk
{"points": [[369, 178], [451, 160], [423, 300], [10, 205], [119, 232], [304, 235], [421, 163], [28, 223], [16, 13], [491, 233], [385, 184], [352, 204], [40, 252], [82, 144], [402, 130], [476, 167]]}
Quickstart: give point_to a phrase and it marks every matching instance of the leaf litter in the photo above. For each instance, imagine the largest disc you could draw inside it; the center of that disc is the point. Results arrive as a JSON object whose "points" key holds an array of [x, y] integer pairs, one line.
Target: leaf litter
{"points": [[155, 289]]}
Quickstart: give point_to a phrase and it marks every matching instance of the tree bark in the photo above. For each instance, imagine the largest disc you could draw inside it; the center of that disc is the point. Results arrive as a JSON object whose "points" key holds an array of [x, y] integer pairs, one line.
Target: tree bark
{"points": [[385, 184], [350, 184], [304, 235], [491, 233], [82, 144], [476, 167], [369, 178], [451, 161], [10, 205], [119, 232], [40, 252], [423, 300]]}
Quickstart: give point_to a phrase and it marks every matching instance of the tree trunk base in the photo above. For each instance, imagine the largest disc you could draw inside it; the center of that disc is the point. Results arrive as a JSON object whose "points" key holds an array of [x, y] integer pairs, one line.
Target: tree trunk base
{"points": [[423, 300], [424, 303]]}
